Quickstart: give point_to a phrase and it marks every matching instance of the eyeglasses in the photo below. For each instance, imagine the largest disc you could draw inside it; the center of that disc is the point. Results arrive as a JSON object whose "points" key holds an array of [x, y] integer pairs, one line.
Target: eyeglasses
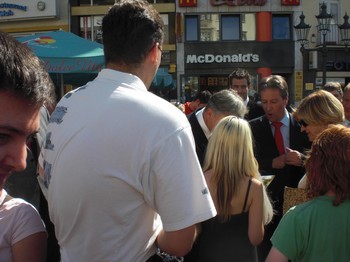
{"points": [[302, 123], [161, 50]]}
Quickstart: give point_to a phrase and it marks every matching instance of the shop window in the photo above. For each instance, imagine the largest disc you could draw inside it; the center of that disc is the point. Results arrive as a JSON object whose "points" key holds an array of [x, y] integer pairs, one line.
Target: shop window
{"points": [[165, 18], [216, 27], [230, 27], [209, 27], [91, 28], [191, 25], [91, 2], [332, 8], [248, 27], [281, 27]]}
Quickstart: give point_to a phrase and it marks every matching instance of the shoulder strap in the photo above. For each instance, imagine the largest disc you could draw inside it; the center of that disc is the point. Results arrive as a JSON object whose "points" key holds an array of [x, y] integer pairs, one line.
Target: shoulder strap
{"points": [[246, 195]]}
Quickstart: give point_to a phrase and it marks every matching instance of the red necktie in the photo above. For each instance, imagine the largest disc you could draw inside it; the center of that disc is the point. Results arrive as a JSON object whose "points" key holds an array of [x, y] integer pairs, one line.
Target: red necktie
{"points": [[278, 137]]}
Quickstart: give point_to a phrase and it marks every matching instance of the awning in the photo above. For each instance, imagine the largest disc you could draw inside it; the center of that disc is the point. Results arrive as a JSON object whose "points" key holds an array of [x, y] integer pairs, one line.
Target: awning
{"points": [[163, 80]]}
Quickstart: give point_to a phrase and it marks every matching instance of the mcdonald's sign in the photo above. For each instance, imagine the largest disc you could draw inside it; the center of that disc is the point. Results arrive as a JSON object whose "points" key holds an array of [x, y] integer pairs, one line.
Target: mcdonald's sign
{"points": [[187, 3], [290, 2]]}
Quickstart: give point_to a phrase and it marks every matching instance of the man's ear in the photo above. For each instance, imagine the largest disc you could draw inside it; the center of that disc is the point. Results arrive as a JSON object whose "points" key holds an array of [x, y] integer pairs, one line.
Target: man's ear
{"points": [[153, 53], [209, 112]]}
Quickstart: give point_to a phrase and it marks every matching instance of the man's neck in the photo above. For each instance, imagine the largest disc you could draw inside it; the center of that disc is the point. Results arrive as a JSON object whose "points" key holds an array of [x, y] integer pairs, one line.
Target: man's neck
{"points": [[144, 72]]}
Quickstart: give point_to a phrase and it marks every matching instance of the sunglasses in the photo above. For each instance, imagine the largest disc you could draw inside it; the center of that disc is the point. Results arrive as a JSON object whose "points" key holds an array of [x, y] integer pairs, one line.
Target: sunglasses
{"points": [[302, 123]]}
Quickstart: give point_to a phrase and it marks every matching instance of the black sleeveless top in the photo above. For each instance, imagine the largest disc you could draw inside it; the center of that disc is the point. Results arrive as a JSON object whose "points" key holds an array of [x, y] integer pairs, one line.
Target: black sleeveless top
{"points": [[227, 241]]}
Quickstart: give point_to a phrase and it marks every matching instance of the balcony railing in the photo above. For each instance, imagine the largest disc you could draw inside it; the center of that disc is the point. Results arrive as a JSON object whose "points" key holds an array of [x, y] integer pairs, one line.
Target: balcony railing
{"points": [[332, 37]]}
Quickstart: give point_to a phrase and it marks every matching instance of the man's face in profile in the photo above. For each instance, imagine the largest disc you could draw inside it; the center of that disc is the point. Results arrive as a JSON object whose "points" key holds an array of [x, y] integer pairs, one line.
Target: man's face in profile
{"points": [[18, 121]]}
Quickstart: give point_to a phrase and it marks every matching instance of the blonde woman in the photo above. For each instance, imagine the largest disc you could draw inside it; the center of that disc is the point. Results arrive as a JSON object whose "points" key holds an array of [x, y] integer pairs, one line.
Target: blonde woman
{"points": [[232, 175], [315, 113]]}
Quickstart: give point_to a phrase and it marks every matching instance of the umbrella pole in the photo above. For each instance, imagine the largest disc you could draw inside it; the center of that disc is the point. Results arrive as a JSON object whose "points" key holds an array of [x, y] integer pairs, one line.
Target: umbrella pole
{"points": [[62, 86]]}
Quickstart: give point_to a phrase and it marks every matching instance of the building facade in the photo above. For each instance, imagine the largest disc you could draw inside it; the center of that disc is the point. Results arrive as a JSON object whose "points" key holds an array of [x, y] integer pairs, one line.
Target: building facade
{"points": [[205, 40], [336, 59], [84, 18], [215, 36], [29, 17]]}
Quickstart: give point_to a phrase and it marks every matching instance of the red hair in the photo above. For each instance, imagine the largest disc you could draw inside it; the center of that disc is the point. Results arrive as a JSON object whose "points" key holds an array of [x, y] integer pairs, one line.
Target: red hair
{"points": [[328, 165]]}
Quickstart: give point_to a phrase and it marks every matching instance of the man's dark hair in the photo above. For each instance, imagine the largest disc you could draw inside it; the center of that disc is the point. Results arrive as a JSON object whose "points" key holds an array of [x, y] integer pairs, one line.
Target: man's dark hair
{"points": [[203, 96], [22, 73], [239, 73], [274, 82], [333, 86], [130, 30]]}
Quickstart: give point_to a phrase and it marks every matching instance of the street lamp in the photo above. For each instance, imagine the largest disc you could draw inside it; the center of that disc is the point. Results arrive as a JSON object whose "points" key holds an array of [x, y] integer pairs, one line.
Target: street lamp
{"points": [[344, 30], [302, 32]]}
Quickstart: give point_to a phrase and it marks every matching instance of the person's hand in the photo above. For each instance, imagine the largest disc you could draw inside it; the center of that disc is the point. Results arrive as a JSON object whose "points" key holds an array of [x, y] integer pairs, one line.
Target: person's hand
{"points": [[279, 162], [293, 157]]}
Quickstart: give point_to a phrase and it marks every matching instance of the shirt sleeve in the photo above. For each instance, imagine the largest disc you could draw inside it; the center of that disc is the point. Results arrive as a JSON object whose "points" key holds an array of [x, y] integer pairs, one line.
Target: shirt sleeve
{"points": [[288, 237], [176, 187], [27, 222]]}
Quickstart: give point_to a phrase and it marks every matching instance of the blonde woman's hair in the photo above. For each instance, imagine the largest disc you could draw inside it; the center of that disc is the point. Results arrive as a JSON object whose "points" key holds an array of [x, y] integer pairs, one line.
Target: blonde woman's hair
{"points": [[320, 108], [230, 156]]}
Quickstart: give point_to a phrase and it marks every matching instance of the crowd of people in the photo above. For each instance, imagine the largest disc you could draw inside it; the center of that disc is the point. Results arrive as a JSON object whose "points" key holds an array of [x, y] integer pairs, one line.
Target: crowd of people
{"points": [[126, 176]]}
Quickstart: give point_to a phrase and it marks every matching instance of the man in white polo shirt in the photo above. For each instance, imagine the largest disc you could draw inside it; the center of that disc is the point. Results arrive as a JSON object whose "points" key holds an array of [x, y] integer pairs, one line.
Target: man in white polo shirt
{"points": [[119, 162]]}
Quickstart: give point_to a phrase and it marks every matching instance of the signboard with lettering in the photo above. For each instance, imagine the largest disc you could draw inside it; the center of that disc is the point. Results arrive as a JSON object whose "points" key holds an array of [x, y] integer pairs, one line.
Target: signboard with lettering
{"points": [[290, 2], [65, 52], [187, 3], [35, 9], [238, 2], [207, 56]]}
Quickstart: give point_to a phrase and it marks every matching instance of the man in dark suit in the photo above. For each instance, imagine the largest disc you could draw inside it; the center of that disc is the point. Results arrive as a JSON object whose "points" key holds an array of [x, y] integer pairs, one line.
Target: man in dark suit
{"points": [[240, 81], [283, 158], [203, 121]]}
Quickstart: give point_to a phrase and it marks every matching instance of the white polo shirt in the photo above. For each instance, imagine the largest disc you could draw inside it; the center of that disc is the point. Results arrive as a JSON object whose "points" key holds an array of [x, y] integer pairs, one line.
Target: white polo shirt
{"points": [[115, 157]]}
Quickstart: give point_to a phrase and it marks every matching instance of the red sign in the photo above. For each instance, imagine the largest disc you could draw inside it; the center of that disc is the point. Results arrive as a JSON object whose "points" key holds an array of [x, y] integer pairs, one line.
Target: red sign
{"points": [[187, 3], [290, 2], [237, 2]]}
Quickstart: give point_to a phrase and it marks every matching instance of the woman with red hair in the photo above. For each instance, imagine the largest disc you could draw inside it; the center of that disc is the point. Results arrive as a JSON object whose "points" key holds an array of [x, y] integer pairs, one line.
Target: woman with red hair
{"points": [[319, 230]]}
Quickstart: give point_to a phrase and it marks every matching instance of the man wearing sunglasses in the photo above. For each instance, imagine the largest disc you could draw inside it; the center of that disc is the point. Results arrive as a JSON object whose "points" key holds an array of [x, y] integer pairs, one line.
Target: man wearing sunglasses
{"points": [[279, 148]]}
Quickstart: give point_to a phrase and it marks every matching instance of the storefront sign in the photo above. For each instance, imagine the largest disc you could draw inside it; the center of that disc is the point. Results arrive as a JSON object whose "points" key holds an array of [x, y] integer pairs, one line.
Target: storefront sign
{"points": [[211, 56], [187, 3], [18, 10], [72, 66], [290, 2], [238, 2]]}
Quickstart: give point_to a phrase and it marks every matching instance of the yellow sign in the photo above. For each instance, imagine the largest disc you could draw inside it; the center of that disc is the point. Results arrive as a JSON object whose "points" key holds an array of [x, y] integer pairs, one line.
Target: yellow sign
{"points": [[309, 86], [298, 91]]}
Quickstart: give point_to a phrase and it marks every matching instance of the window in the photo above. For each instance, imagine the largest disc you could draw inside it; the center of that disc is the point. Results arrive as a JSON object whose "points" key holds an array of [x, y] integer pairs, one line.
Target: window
{"points": [[191, 25], [281, 27], [209, 27], [333, 9], [165, 18], [220, 27], [230, 27], [248, 27]]}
